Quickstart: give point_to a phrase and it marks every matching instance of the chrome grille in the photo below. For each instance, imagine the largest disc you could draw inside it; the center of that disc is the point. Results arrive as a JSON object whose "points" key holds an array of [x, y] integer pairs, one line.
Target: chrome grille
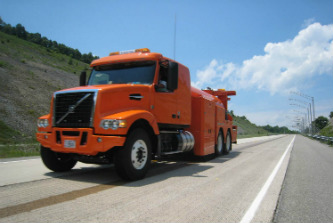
{"points": [[74, 109]]}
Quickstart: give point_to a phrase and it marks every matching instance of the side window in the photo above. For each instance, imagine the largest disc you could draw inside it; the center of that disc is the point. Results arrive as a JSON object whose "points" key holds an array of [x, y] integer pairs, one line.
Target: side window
{"points": [[168, 76], [163, 77], [101, 78]]}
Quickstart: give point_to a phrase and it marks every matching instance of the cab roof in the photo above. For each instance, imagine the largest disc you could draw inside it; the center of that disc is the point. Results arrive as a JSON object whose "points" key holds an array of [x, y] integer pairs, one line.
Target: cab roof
{"points": [[126, 58]]}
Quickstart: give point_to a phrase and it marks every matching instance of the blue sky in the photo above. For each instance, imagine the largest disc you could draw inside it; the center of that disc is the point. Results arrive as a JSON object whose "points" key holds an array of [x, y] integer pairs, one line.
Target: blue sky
{"points": [[263, 49]]}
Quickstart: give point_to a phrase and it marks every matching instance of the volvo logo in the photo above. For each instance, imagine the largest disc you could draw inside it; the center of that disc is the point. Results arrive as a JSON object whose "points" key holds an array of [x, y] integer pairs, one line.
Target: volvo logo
{"points": [[71, 108]]}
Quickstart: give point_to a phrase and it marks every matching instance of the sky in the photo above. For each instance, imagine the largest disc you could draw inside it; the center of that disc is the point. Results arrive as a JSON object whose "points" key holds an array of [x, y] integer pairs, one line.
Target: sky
{"points": [[277, 55]]}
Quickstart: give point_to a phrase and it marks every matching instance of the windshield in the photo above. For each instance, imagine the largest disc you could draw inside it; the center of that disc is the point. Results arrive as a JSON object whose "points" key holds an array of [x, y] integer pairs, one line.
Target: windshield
{"points": [[123, 73]]}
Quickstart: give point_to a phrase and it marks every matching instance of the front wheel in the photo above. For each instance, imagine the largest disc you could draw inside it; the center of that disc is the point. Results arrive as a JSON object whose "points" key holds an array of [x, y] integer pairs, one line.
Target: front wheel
{"points": [[133, 160], [57, 162]]}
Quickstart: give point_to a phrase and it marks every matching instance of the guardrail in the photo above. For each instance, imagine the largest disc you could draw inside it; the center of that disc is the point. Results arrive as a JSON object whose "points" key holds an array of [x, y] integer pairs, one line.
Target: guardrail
{"points": [[322, 138]]}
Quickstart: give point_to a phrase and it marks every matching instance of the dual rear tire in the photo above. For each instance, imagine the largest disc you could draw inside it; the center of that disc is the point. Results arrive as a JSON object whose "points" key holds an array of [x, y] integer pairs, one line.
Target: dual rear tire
{"points": [[228, 144], [221, 146]]}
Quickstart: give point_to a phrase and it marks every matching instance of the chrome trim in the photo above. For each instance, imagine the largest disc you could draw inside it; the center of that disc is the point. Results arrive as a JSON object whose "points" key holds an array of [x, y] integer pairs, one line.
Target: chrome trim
{"points": [[136, 96], [95, 91], [170, 132]]}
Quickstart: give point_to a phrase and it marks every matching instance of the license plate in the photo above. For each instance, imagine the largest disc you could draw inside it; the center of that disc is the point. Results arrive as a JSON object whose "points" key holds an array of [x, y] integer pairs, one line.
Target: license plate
{"points": [[70, 144]]}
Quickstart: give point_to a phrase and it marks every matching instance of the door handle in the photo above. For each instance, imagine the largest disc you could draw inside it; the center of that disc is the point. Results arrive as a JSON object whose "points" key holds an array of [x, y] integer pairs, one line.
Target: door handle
{"points": [[136, 97]]}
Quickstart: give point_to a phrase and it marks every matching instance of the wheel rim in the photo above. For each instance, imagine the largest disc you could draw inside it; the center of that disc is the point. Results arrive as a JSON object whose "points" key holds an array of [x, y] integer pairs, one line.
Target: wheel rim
{"points": [[228, 142], [219, 143], [139, 154]]}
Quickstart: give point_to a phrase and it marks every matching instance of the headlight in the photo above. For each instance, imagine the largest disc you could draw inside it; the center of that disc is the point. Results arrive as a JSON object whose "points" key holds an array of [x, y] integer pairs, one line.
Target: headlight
{"points": [[113, 124], [42, 123]]}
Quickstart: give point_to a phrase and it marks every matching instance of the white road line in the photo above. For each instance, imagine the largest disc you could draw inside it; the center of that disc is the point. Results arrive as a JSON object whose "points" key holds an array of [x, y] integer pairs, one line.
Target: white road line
{"points": [[247, 218], [17, 161]]}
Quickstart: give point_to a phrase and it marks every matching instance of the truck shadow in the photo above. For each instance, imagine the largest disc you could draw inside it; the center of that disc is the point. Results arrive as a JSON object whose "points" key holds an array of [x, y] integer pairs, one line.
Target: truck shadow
{"points": [[225, 158], [159, 171]]}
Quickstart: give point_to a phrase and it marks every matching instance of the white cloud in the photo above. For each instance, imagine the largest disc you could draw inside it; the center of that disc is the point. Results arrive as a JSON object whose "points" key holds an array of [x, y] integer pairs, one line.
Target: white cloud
{"points": [[285, 65], [308, 22]]}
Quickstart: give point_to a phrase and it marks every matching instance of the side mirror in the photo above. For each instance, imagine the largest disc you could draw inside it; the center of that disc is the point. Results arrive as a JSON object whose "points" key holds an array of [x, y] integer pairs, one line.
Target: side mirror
{"points": [[172, 76], [83, 78]]}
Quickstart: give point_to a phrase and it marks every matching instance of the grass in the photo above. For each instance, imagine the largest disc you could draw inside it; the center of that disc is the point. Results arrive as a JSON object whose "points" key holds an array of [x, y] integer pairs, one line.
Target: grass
{"points": [[10, 151], [14, 144], [327, 131], [246, 129], [8, 135], [3, 64]]}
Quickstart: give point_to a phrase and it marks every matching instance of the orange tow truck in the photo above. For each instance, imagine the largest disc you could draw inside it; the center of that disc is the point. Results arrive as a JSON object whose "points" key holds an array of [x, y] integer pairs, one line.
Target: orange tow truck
{"points": [[134, 107]]}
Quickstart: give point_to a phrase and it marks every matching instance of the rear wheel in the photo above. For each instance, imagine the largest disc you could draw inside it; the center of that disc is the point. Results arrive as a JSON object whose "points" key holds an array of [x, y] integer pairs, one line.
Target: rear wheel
{"points": [[58, 162], [219, 144], [132, 162], [228, 147]]}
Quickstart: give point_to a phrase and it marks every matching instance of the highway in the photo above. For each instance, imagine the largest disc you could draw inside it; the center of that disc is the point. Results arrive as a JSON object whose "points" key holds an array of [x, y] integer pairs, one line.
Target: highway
{"points": [[283, 178]]}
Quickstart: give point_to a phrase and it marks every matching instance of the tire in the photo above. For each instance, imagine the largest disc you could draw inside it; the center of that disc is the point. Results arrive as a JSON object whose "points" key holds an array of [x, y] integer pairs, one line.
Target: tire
{"points": [[219, 144], [228, 146], [133, 160], [57, 162]]}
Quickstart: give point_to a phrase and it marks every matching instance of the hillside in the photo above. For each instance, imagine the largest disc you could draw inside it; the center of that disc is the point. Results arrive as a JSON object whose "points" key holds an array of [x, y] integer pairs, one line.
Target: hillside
{"points": [[328, 130], [29, 74], [248, 129]]}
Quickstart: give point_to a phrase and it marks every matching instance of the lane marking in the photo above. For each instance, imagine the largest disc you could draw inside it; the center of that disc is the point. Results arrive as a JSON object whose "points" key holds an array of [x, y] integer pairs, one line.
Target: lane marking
{"points": [[247, 218], [17, 161]]}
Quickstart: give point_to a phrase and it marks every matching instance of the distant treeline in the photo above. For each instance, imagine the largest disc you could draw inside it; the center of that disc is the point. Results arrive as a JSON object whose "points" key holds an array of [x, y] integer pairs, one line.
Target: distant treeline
{"points": [[20, 32], [271, 129], [277, 129]]}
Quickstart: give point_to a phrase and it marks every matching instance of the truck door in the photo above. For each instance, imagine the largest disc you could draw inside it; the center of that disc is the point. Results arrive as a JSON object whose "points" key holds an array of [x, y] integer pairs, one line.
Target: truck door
{"points": [[165, 103]]}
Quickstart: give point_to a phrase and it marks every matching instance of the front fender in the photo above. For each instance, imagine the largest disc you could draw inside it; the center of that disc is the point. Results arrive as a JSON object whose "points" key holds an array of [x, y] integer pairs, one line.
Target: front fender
{"points": [[130, 117]]}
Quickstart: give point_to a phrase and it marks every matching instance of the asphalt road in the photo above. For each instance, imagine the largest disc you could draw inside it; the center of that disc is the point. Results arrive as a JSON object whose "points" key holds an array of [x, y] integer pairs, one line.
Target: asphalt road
{"points": [[307, 193], [243, 186]]}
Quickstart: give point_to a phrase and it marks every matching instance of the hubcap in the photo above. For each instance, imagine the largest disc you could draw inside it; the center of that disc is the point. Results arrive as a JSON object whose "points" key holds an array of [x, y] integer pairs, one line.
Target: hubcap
{"points": [[139, 154]]}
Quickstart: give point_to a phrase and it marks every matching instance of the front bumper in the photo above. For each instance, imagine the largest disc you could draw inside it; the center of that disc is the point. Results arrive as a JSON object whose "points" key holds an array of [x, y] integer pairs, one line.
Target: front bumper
{"points": [[78, 140]]}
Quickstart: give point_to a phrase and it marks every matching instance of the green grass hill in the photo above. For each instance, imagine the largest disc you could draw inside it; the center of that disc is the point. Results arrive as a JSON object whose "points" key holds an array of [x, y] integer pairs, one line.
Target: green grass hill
{"points": [[328, 129]]}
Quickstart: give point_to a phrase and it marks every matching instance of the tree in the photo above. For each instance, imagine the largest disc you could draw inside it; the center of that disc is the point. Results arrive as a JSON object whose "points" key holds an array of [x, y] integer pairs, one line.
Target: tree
{"points": [[54, 45], [9, 29], [2, 23], [20, 31], [321, 122], [45, 42], [63, 48], [331, 114], [35, 38], [77, 55]]}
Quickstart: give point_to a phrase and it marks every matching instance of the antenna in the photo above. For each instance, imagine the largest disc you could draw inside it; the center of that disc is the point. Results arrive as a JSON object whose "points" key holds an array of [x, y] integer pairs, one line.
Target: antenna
{"points": [[174, 38]]}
